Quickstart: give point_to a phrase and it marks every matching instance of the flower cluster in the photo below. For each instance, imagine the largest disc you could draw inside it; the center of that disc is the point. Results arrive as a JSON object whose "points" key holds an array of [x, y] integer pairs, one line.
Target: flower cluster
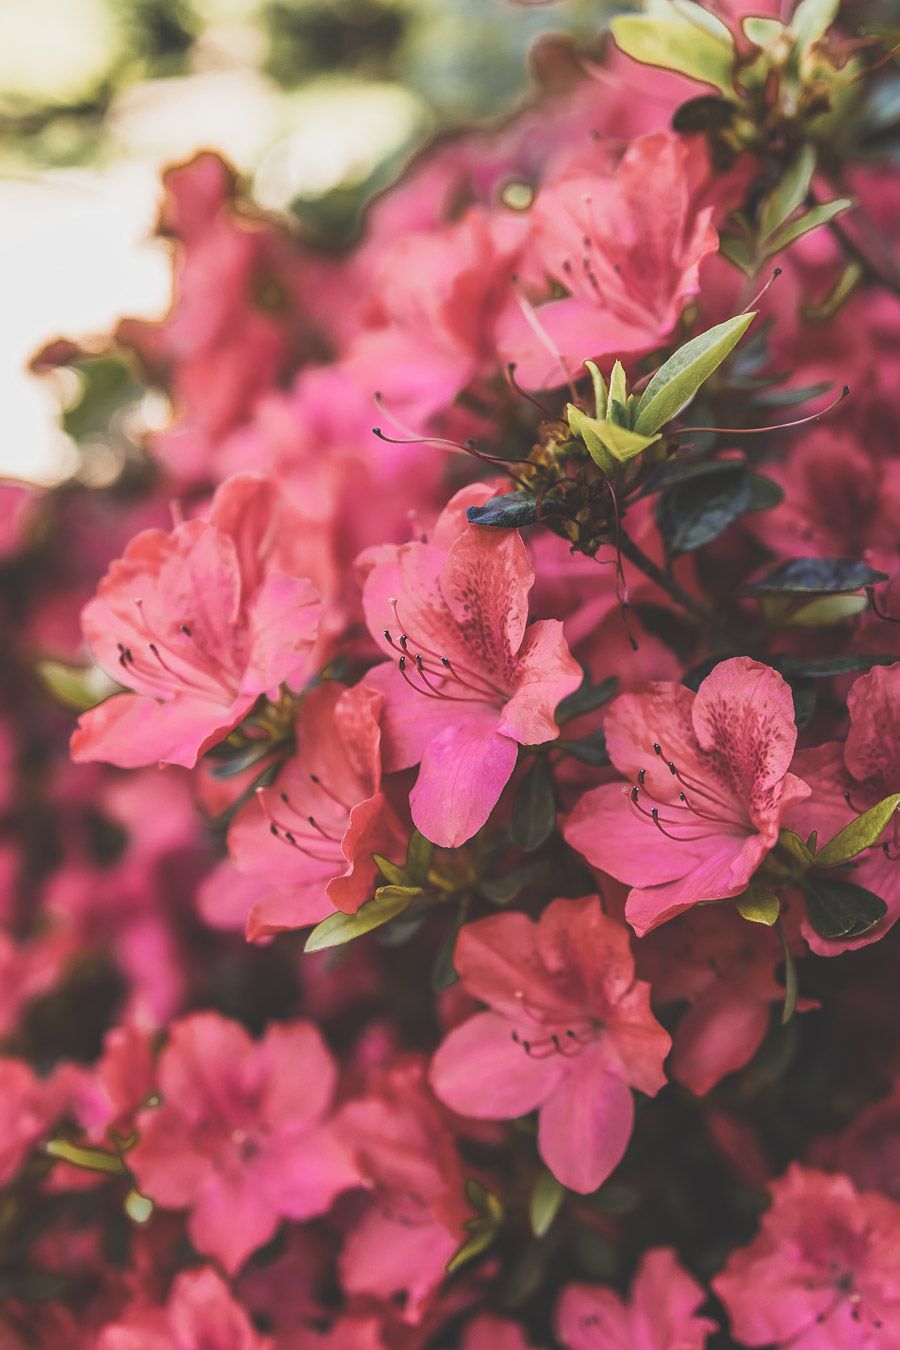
{"points": [[463, 913]]}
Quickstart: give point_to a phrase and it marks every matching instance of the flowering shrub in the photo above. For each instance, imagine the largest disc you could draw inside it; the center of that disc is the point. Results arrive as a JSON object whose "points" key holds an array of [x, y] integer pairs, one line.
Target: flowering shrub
{"points": [[464, 913]]}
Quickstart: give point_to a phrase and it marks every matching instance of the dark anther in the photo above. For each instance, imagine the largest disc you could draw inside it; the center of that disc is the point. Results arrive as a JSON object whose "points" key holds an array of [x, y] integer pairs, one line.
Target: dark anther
{"points": [[273, 829], [657, 749], [634, 795], [672, 770], [403, 641], [387, 634], [642, 774], [185, 630], [445, 661], [402, 663], [284, 798]]}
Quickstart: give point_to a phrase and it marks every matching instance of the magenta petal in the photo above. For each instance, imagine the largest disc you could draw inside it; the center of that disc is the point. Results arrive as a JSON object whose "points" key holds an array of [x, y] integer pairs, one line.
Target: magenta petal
{"points": [[717, 1035], [463, 772], [480, 1071], [585, 1126], [231, 1217]]}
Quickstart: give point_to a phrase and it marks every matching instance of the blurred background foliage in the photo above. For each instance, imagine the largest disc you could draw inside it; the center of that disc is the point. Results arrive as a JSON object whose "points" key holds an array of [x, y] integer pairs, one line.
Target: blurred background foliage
{"points": [[318, 103]]}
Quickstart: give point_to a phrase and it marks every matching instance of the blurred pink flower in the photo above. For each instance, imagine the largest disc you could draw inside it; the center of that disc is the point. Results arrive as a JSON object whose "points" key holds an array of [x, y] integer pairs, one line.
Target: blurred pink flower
{"points": [[660, 1314]]}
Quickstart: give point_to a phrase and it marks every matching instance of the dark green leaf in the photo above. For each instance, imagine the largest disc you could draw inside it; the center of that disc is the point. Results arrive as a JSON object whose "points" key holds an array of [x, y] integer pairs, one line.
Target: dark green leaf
{"points": [[764, 493], [790, 976], [444, 972], [706, 113], [698, 511], [816, 576], [589, 749], [419, 853], [510, 511], [840, 909], [805, 695], [534, 807], [501, 890], [394, 875], [823, 667], [586, 699]]}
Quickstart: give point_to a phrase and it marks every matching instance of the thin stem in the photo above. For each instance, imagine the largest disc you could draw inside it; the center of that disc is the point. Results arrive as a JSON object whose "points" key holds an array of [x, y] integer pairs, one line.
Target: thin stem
{"points": [[636, 555], [879, 268]]}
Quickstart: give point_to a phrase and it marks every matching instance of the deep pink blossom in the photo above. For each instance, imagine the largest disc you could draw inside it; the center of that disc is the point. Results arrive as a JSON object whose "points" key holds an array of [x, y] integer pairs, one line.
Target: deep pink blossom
{"points": [[569, 1032], [242, 1138], [469, 679], [822, 1273], [626, 245], [200, 1314], [197, 623], [708, 788], [310, 837], [660, 1314], [406, 1152]]}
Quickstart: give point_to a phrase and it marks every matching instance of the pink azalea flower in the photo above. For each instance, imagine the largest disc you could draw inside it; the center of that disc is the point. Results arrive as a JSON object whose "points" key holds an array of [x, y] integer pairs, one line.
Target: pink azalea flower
{"points": [[469, 681], [406, 1153], [708, 789], [847, 779], [28, 1106], [242, 1138], [310, 837], [568, 1033], [488, 1332], [626, 245], [726, 972], [661, 1313], [198, 624], [200, 1314], [822, 1273]]}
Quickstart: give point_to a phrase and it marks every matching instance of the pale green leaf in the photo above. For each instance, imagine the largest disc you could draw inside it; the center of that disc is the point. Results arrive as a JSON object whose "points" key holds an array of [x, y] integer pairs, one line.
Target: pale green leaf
{"points": [[794, 229], [860, 834], [677, 381], [394, 875], [543, 1205], [77, 688], [600, 392], [389, 901], [676, 43], [618, 385], [788, 192], [483, 1229], [89, 1159], [793, 845], [585, 428], [764, 33], [758, 905], [812, 20]]}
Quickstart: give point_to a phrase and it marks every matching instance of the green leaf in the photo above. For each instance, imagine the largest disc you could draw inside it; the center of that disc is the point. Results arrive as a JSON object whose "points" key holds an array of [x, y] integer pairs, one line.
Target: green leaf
{"points": [[618, 385], [543, 1204], [585, 428], [511, 511], [586, 699], [501, 890], [77, 688], [482, 1230], [139, 1208], [394, 875], [607, 442], [860, 834], [534, 807], [706, 113], [587, 749], [824, 667], [675, 43], [840, 909], [679, 378], [444, 972], [90, 1159], [758, 905], [762, 32], [388, 902], [795, 847], [794, 229], [790, 977], [812, 20], [691, 514], [816, 576], [599, 386], [419, 852], [789, 191]]}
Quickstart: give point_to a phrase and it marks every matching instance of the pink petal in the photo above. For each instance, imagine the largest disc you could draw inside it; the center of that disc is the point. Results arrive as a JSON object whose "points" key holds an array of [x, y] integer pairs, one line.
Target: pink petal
{"points": [[720, 1033], [584, 1127], [545, 673], [480, 1071], [130, 730], [485, 582], [284, 621], [463, 772], [744, 714], [231, 1218]]}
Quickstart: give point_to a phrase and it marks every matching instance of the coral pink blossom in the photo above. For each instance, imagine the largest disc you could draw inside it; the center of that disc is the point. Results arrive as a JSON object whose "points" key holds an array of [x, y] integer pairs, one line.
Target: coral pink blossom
{"points": [[661, 1313], [627, 247], [470, 680], [242, 1138], [197, 623], [708, 787], [200, 1314], [569, 1032], [406, 1153], [822, 1273], [310, 837], [848, 779]]}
